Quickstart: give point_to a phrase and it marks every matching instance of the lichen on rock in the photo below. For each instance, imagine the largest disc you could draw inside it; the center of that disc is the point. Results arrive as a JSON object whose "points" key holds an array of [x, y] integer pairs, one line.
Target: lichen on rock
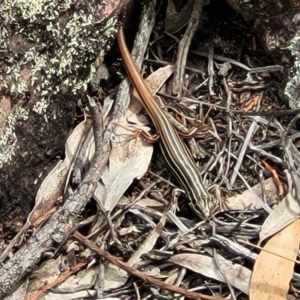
{"points": [[292, 89], [8, 137], [49, 52], [49, 48]]}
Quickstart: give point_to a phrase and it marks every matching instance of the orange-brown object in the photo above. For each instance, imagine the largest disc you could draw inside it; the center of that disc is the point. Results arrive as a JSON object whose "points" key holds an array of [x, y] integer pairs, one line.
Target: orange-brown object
{"points": [[275, 177]]}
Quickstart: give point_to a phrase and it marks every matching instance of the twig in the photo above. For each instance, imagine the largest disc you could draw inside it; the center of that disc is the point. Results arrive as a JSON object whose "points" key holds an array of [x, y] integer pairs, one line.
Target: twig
{"points": [[64, 221], [184, 46], [134, 272]]}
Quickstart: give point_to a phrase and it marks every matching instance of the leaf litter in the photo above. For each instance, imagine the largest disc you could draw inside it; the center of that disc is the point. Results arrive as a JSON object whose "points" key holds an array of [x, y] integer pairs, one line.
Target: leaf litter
{"points": [[143, 220]]}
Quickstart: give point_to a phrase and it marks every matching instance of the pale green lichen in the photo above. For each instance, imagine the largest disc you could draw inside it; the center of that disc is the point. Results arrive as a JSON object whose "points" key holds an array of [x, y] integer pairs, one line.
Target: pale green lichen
{"points": [[32, 9], [8, 138], [58, 48], [41, 106], [292, 89], [49, 49]]}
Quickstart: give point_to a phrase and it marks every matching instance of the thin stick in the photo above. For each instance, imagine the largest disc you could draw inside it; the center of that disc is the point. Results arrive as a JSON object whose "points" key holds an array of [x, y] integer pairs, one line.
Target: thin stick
{"points": [[134, 272]]}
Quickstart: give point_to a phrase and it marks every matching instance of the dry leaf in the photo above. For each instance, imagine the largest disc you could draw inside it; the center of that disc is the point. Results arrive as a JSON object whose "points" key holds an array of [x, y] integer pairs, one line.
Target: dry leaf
{"points": [[114, 277], [131, 159], [156, 80], [283, 214], [51, 271], [250, 199], [237, 275], [175, 21], [173, 277], [51, 188], [272, 274]]}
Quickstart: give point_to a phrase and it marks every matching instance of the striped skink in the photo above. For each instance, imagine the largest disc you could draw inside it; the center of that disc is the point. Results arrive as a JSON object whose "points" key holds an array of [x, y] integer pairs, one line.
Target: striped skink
{"points": [[173, 149]]}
